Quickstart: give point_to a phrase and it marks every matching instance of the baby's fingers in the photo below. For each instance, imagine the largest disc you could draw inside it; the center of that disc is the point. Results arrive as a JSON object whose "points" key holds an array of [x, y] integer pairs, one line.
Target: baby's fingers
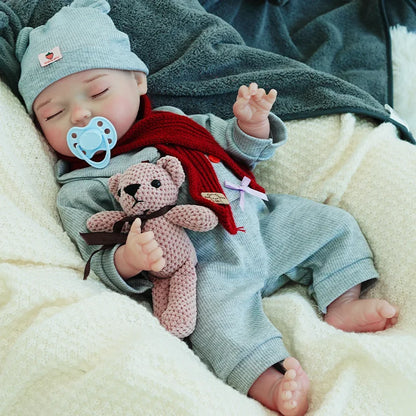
{"points": [[148, 243], [136, 227], [262, 95], [153, 251], [244, 93], [154, 257], [158, 265], [271, 96]]}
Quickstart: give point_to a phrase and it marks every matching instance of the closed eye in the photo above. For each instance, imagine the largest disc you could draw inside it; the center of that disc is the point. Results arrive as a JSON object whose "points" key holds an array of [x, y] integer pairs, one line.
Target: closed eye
{"points": [[100, 93], [53, 115]]}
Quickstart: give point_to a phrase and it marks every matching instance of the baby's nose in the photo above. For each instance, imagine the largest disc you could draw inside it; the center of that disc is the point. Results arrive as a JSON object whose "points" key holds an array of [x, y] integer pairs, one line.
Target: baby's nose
{"points": [[80, 116]]}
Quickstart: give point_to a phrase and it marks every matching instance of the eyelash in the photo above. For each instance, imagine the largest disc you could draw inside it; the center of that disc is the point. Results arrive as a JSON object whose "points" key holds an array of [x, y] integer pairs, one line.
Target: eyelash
{"points": [[53, 115], [93, 96], [100, 93]]}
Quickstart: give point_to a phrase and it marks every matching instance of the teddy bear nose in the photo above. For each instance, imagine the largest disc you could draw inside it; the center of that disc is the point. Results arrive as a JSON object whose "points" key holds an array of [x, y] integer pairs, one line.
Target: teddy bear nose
{"points": [[132, 189]]}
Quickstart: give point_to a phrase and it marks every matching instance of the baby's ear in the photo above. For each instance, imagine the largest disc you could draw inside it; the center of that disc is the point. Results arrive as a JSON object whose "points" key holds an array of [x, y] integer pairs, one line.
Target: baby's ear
{"points": [[113, 183], [141, 80]]}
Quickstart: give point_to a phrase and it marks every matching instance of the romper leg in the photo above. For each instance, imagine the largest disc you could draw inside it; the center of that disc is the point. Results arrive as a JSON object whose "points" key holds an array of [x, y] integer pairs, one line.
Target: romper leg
{"points": [[311, 243], [233, 335], [323, 247]]}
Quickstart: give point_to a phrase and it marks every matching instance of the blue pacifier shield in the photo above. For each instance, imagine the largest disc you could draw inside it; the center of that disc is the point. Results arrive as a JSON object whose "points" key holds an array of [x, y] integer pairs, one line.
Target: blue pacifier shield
{"points": [[85, 142]]}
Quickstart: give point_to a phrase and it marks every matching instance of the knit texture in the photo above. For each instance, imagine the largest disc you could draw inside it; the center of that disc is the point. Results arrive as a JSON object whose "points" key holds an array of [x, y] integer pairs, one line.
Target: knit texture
{"points": [[191, 143], [146, 188], [79, 37]]}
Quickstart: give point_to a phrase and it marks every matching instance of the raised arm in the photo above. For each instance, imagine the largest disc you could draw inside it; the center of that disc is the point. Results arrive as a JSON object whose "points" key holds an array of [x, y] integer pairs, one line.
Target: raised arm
{"points": [[252, 108]]}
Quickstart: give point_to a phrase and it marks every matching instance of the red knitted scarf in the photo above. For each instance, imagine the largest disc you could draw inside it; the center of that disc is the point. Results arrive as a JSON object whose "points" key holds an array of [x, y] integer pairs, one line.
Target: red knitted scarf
{"points": [[185, 139]]}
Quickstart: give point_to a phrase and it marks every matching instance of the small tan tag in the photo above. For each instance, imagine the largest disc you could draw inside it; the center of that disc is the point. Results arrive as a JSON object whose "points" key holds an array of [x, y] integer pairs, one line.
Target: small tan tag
{"points": [[216, 197]]}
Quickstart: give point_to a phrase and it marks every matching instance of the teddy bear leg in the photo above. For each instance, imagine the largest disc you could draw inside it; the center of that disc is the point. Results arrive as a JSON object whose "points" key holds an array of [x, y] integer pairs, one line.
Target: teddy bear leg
{"points": [[179, 318], [160, 296]]}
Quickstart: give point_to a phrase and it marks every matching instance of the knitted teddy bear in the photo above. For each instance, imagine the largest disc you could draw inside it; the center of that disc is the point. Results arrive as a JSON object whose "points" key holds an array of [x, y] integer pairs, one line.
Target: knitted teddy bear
{"points": [[150, 191]]}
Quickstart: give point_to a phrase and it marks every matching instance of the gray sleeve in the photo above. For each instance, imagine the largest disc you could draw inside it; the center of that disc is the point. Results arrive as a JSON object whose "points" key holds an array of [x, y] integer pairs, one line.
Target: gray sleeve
{"points": [[77, 201], [241, 146]]}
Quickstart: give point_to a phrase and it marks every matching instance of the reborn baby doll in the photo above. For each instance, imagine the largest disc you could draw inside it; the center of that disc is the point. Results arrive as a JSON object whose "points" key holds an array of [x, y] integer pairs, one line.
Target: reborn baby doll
{"points": [[260, 244]]}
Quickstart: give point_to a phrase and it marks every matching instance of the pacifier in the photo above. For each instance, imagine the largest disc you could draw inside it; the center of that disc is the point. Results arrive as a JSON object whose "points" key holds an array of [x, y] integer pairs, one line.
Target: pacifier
{"points": [[85, 142]]}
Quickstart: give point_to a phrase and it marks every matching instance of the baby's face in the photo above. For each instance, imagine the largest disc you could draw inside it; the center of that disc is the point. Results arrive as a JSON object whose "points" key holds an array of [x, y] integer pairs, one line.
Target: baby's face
{"points": [[75, 99]]}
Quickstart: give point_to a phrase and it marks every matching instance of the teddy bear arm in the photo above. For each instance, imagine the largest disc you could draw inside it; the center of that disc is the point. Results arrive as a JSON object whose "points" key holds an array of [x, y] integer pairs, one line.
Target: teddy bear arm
{"points": [[193, 217], [104, 221]]}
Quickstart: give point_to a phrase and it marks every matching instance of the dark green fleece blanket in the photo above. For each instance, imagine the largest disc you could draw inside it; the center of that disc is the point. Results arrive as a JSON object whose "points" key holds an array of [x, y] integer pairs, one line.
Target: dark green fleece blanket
{"points": [[323, 57]]}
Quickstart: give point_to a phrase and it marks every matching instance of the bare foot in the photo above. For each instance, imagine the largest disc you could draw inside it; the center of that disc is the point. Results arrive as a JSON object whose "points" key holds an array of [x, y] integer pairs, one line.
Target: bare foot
{"points": [[352, 314], [287, 394]]}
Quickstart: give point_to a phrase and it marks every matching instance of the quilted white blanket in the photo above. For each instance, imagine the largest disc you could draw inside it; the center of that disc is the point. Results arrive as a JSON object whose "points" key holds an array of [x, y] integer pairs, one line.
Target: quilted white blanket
{"points": [[73, 347]]}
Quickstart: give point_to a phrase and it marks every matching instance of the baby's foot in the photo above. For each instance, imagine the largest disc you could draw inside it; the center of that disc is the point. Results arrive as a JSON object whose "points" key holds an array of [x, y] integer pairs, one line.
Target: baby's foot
{"points": [[288, 393], [292, 393], [362, 315]]}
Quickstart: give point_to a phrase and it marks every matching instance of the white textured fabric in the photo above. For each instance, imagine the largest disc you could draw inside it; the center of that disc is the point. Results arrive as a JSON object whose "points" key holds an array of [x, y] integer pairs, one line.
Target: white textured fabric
{"points": [[72, 347], [370, 173], [404, 74]]}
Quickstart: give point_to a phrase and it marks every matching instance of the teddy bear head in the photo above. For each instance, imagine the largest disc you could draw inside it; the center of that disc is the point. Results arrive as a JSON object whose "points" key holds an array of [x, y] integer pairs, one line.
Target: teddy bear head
{"points": [[147, 187]]}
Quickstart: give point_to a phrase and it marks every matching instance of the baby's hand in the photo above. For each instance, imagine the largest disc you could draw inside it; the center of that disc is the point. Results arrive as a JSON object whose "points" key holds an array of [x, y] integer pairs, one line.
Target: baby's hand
{"points": [[252, 108], [141, 252]]}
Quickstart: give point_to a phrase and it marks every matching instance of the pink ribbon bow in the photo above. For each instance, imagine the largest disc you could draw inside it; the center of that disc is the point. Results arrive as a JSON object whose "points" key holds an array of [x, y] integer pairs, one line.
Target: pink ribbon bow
{"points": [[245, 188]]}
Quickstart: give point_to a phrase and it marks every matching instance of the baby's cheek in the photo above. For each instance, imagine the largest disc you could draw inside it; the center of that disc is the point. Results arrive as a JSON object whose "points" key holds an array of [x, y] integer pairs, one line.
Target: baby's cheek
{"points": [[56, 137], [114, 108], [122, 113]]}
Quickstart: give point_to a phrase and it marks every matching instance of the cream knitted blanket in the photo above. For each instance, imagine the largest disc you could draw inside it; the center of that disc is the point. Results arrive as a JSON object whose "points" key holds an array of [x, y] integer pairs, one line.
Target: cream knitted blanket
{"points": [[72, 347]]}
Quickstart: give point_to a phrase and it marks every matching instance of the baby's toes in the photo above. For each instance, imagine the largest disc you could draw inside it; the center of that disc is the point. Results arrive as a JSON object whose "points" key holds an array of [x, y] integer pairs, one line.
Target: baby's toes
{"points": [[386, 310], [290, 385], [289, 390], [286, 395], [289, 405], [391, 322]]}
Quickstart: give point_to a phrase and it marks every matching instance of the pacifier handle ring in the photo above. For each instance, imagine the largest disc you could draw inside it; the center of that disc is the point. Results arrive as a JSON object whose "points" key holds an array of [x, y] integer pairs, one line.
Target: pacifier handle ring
{"points": [[108, 139], [101, 163]]}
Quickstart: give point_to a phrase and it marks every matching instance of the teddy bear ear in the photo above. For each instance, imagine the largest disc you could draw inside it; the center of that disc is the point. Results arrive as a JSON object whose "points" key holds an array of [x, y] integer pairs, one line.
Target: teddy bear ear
{"points": [[173, 166], [113, 183]]}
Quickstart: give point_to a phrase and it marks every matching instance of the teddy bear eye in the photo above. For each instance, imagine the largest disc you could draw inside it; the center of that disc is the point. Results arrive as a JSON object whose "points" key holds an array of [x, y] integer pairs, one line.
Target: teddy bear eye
{"points": [[156, 183]]}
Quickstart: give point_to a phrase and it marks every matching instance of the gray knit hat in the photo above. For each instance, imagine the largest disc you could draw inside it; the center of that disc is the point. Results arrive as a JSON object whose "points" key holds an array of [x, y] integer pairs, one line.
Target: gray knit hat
{"points": [[78, 37]]}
